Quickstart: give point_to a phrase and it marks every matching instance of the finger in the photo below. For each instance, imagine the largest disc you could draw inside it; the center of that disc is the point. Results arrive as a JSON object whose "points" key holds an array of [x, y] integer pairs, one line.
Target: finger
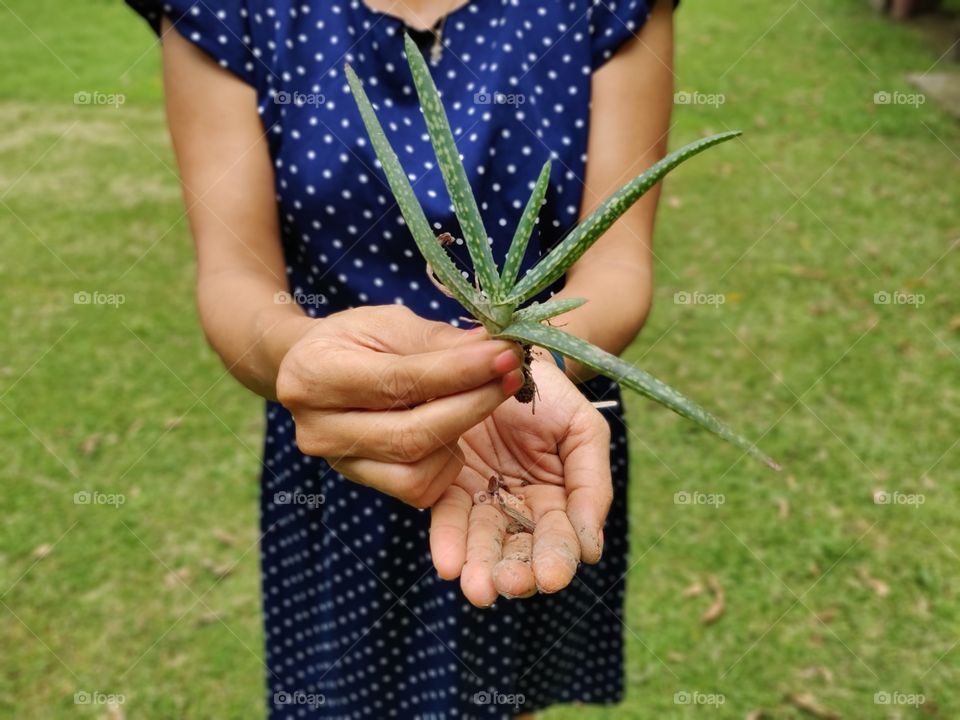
{"points": [[586, 468], [403, 436], [513, 576], [448, 531], [484, 550], [419, 484], [382, 381], [556, 552], [397, 329]]}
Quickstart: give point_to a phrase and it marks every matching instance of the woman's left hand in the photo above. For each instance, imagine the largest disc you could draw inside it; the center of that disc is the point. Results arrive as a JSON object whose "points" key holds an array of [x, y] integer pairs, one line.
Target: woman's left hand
{"points": [[558, 460]]}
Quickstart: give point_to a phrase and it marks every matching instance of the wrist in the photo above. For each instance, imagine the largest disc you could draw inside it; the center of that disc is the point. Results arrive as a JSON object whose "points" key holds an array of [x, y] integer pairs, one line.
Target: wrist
{"points": [[278, 332]]}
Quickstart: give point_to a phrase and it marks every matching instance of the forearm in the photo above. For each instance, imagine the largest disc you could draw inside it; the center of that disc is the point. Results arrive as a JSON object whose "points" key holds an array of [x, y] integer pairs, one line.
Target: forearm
{"points": [[618, 297], [248, 328]]}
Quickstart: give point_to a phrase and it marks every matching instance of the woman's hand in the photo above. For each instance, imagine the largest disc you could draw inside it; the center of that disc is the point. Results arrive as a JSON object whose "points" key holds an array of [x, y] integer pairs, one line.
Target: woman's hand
{"points": [[558, 460], [385, 395]]}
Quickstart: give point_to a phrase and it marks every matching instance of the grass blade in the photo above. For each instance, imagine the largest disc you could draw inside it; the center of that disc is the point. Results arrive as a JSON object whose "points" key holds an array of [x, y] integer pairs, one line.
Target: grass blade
{"points": [[413, 215], [579, 240], [454, 176], [518, 246], [634, 378], [544, 311]]}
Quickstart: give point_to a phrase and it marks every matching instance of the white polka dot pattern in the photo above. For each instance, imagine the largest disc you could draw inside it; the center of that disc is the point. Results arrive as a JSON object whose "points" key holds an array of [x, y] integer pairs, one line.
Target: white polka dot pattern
{"points": [[357, 623]]}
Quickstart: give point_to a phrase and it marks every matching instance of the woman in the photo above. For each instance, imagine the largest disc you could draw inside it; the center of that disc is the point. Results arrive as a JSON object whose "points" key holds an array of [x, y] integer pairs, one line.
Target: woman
{"points": [[379, 402]]}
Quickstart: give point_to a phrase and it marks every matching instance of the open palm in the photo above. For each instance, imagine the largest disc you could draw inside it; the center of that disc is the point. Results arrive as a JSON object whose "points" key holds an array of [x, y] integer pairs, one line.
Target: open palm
{"points": [[557, 459]]}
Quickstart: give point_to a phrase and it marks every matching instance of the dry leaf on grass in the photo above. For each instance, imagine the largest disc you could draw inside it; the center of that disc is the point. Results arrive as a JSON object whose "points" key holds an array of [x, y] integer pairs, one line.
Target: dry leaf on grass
{"points": [[225, 537], [827, 615], [209, 618], [176, 578], [806, 702], [878, 586], [219, 570], [695, 589], [41, 551], [716, 610], [90, 444], [817, 671]]}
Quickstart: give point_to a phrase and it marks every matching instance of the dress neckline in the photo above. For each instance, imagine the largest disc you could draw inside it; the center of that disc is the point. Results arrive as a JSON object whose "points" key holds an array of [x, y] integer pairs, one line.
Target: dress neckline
{"points": [[385, 15]]}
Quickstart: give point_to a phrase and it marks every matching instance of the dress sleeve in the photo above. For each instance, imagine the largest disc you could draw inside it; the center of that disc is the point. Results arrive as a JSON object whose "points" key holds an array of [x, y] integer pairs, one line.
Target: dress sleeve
{"points": [[613, 22], [221, 28]]}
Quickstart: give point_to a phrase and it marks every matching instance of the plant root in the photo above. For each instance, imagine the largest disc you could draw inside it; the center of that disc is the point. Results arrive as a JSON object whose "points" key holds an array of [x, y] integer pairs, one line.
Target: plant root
{"points": [[437, 284], [528, 392], [519, 517]]}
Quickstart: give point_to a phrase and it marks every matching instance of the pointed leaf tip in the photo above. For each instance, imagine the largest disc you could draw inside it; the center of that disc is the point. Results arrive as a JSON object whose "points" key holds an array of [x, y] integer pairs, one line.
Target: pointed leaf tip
{"points": [[632, 377], [551, 267], [455, 178]]}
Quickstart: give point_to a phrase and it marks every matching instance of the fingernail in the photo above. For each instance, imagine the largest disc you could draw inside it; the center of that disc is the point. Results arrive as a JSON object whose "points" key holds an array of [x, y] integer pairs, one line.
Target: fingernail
{"points": [[512, 381], [506, 361], [478, 330]]}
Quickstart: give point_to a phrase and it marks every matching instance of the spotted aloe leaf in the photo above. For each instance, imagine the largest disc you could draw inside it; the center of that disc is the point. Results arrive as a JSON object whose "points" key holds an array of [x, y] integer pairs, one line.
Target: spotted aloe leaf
{"points": [[538, 312], [497, 309], [626, 374], [454, 176], [518, 247], [579, 240], [413, 215]]}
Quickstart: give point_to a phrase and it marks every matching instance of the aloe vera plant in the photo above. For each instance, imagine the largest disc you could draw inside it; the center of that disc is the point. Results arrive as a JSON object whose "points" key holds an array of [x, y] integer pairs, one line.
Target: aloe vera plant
{"points": [[496, 298]]}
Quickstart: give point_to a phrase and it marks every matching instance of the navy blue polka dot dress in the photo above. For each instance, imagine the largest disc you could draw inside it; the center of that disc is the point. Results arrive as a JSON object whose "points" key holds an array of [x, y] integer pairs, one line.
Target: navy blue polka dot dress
{"points": [[357, 623]]}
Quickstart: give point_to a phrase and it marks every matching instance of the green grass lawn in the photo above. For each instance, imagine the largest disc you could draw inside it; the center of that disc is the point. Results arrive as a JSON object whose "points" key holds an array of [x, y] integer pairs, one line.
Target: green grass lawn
{"points": [[829, 200]]}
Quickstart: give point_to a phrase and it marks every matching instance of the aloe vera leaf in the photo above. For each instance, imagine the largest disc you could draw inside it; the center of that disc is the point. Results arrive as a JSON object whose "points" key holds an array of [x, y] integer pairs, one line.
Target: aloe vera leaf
{"points": [[579, 240], [518, 246], [634, 378], [454, 176], [543, 311], [413, 215]]}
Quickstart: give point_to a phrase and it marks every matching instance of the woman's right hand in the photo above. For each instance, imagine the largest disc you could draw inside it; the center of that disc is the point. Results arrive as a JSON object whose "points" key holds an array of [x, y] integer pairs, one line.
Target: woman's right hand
{"points": [[385, 395]]}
